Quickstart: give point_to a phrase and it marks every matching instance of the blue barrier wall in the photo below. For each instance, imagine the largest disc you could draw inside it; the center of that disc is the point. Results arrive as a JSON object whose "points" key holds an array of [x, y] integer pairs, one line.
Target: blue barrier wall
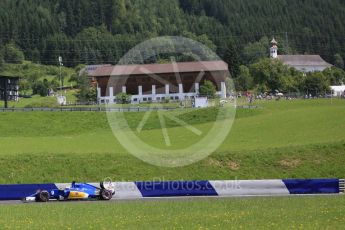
{"points": [[192, 188], [315, 186], [20, 191]]}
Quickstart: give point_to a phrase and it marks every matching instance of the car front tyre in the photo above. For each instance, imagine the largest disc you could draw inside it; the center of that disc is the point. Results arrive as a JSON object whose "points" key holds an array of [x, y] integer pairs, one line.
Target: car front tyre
{"points": [[42, 196], [106, 194]]}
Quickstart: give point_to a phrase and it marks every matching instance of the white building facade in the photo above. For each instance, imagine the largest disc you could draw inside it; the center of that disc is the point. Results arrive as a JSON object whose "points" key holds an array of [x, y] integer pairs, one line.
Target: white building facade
{"points": [[142, 97], [338, 91]]}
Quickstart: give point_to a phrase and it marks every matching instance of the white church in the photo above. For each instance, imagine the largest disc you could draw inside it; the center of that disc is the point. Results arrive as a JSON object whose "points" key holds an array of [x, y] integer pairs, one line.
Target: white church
{"points": [[304, 63]]}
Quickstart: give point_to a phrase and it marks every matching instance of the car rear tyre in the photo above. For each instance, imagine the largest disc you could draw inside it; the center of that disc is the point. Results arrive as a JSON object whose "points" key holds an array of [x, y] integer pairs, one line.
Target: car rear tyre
{"points": [[42, 196], [106, 194]]}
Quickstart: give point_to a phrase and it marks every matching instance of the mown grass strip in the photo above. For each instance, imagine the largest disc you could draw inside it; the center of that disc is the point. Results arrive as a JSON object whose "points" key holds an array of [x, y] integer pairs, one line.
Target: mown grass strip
{"points": [[249, 213]]}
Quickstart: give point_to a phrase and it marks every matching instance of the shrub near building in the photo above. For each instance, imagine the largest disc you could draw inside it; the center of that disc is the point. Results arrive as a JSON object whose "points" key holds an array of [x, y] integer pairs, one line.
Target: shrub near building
{"points": [[208, 89]]}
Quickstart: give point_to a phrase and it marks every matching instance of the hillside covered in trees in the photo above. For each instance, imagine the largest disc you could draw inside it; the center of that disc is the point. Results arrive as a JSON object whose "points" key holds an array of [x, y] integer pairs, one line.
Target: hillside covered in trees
{"points": [[90, 32]]}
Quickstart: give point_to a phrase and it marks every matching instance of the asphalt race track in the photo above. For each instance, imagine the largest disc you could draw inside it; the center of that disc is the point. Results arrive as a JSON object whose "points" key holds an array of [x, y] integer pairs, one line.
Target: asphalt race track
{"points": [[161, 199]]}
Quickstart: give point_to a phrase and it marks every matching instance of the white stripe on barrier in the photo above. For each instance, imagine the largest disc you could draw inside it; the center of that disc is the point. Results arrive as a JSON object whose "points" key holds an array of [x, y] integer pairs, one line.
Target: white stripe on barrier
{"points": [[126, 190], [250, 187]]}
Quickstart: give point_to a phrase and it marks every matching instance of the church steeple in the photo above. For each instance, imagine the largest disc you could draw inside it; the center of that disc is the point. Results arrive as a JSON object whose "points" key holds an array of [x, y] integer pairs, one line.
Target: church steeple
{"points": [[274, 48]]}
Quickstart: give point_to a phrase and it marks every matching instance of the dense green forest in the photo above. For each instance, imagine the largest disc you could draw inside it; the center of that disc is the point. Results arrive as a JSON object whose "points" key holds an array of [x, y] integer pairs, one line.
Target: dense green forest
{"points": [[89, 31]]}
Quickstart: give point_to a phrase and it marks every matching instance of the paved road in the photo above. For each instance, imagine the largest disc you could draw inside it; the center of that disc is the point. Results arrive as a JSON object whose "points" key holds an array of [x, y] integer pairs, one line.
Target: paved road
{"points": [[164, 199]]}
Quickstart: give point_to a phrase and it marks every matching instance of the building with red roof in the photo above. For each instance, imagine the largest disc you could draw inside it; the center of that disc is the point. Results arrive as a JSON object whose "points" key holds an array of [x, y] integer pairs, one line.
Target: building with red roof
{"points": [[158, 82]]}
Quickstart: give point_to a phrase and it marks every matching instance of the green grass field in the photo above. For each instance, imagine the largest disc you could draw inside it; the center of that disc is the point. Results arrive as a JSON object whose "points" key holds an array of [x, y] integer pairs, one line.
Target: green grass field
{"points": [[286, 139], [247, 213], [281, 139]]}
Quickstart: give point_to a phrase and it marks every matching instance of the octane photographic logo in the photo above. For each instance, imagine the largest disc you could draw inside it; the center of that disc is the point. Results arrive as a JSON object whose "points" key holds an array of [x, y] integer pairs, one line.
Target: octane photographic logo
{"points": [[157, 135]]}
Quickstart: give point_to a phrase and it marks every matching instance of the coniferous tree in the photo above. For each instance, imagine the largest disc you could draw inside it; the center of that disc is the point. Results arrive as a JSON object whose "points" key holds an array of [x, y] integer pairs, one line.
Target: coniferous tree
{"points": [[231, 57], [339, 61], [12, 54], [309, 27], [1, 61]]}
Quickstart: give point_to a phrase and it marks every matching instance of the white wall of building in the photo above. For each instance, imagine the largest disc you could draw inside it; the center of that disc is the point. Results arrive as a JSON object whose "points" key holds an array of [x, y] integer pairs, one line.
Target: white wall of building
{"points": [[308, 69], [338, 90], [201, 102], [273, 52], [154, 97]]}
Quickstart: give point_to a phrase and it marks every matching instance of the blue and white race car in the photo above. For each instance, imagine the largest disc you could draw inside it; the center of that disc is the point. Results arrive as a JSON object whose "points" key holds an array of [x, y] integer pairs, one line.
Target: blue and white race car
{"points": [[77, 191]]}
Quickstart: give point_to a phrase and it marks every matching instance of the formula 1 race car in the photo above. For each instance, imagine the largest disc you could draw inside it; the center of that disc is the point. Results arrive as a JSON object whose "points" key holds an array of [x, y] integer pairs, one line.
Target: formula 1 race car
{"points": [[77, 191]]}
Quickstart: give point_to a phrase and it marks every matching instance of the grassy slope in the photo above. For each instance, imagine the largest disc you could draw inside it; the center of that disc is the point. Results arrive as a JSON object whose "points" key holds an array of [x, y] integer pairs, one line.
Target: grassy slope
{"points": [[41, 71], [283, 139], [37, 101], [251, 213]]}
